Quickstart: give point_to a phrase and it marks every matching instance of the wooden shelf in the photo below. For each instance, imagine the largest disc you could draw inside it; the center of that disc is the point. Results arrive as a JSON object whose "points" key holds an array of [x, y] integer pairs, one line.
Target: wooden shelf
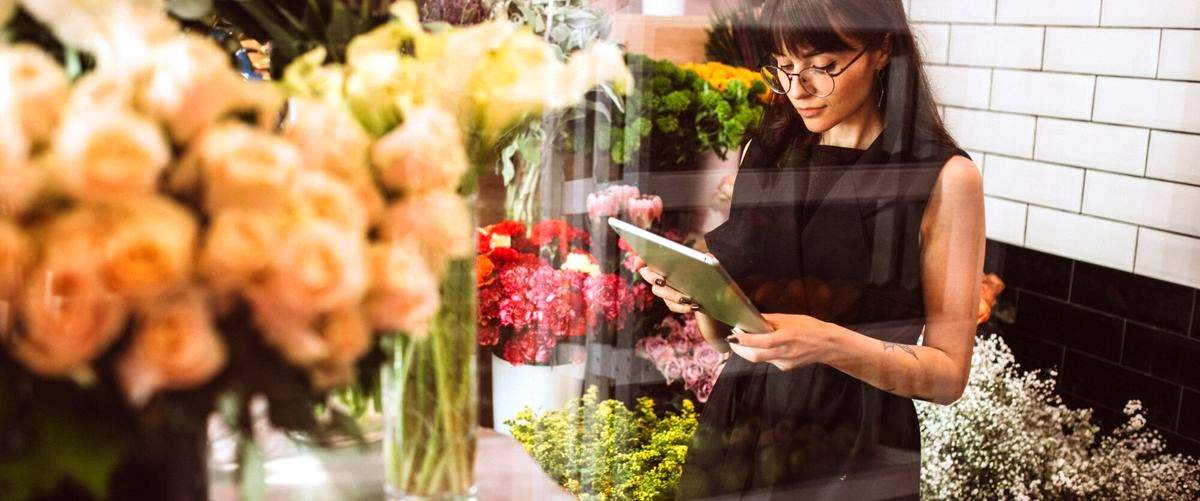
{"points": [[679, 39]]}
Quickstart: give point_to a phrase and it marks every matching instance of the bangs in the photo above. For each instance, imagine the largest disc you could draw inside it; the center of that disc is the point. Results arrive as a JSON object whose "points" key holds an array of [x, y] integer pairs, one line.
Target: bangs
{"points": [[797, 27]]}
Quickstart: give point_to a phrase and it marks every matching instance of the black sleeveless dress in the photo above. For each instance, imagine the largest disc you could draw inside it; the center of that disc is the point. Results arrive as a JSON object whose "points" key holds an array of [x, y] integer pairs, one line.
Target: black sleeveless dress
{"points": [[832, 233]]}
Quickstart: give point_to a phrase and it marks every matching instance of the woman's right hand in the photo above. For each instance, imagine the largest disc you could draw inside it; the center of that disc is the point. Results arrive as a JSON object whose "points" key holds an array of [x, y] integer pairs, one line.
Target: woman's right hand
{"points": [[676, 301]]}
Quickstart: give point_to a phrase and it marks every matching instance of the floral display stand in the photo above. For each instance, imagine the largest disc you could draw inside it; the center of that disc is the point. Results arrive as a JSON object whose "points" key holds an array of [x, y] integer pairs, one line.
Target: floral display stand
{"points": [[539, 387]]}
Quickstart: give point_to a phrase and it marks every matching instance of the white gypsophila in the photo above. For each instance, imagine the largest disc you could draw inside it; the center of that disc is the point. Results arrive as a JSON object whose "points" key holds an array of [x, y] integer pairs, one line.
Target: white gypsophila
{"points": [[1010, 437]]}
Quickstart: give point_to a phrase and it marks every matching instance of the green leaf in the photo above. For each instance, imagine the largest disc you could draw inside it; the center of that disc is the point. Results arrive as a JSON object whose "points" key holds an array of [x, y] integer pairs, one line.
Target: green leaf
{"points": [[252, 478], [68, 447]]}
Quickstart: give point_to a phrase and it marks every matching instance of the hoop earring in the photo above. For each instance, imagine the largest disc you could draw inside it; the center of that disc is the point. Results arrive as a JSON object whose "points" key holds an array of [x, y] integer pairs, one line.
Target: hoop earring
{"points": [[882, 89]]}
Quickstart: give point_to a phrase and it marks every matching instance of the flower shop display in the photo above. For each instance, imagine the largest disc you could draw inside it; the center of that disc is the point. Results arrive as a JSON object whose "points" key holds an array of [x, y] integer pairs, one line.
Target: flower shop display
{"points": [[166, 248], [679, 351], [439, 102], [603, 450], [678, 115], [735, 36], [540, 294], [1010, 437]]}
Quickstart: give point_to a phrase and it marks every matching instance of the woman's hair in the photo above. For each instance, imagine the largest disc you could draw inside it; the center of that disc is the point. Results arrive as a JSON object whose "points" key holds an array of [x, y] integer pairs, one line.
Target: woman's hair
{"points": [[797, 26]]}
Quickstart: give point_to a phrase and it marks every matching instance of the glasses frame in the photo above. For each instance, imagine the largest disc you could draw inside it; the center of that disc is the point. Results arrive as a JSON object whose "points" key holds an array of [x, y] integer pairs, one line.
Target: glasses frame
{"points": [[832, 76]]}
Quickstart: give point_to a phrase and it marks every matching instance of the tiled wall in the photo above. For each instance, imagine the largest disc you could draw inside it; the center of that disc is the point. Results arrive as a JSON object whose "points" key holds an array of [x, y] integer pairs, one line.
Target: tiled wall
{"points": [[1085, 118]]}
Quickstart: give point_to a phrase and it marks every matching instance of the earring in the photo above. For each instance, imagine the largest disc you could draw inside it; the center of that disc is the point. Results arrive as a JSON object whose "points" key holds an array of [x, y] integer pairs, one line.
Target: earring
{"points": [[882, 89]]}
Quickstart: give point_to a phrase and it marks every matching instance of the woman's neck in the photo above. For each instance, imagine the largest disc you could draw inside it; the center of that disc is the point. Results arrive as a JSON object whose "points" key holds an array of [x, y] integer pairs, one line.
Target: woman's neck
{"points": [[858, 130]]}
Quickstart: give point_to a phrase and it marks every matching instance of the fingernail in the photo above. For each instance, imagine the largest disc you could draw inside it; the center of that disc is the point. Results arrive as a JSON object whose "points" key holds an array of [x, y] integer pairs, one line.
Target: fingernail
{"points": [[732, 340], [685, 300], [660, 282], [695, 307]]}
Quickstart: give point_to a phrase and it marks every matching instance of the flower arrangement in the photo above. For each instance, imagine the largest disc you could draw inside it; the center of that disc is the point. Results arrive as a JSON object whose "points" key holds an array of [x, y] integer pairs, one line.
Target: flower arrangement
{"points": [[539, 289], [720, 75], [679, 351], [603, 450], [1010, 437], [735, 36], [678, 114]]}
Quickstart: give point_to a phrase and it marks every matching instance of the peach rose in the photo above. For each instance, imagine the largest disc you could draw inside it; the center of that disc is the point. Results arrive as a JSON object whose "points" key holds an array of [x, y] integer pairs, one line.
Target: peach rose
{"points": [[438, 221], [243, 167], [404, 291], [319, 195], [16, 256], [38, 89], [175, 347], [424, 154], [69, 318], [238, 246], [22, 179], [319, 267], [347, 336], [329, 138], [150, 250], [289, 332], [192, 85], [101, 91], [109, 155]]}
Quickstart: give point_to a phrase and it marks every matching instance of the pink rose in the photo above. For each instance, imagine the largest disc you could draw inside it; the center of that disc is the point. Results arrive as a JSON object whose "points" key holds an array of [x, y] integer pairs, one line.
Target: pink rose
{"points": [[644, 211], [438, 222], [654, 347], [319, 267], [404, 291], [707, 356], [693, 374], [175, 347], [670, 367], [705, 390], [610, 201], [69, 318], [424, 154]]}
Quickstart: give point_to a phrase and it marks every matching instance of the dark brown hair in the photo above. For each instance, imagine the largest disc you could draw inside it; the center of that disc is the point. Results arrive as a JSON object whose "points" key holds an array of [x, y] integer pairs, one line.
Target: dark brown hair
{"points": [[796, 26]]}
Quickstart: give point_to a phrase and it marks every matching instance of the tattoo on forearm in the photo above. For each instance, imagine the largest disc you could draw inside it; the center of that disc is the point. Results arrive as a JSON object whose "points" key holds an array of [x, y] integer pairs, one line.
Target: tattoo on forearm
{"points": [[907, 349]]}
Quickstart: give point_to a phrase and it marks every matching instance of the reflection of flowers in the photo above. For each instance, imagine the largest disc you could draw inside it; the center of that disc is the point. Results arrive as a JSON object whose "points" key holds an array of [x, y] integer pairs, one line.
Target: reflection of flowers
{"points": [[679, 351], [610, 201], [644, 210], [527, 304]]}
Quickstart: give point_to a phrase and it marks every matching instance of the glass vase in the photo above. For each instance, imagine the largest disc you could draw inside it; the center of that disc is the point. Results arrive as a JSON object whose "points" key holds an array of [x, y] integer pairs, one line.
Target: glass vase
{"points": [[430, 401]]}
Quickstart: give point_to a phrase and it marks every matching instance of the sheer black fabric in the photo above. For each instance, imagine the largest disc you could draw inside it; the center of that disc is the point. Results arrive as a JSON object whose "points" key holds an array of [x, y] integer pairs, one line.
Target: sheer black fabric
{"points": [[832, 233]]}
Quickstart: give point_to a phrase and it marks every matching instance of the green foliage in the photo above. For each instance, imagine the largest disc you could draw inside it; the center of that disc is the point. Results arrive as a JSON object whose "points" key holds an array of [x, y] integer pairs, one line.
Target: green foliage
{"points": [[679, 114], [734, 38], [603, 450]]}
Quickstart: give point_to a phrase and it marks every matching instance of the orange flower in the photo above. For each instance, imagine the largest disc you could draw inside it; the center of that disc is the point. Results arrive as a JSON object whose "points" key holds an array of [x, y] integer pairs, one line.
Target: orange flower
{"points": [[175, 347], [483, 271]]}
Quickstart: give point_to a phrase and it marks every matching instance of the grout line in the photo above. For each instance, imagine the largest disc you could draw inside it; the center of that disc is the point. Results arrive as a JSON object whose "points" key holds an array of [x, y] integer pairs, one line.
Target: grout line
{"points": [[1071, 282], [1158, 52], [1137, 236], [1146, 161], [1042, 64], [1095, 89]]}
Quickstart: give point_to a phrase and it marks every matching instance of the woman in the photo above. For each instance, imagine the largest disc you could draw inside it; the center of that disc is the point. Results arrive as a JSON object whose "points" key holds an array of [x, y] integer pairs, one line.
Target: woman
{"points": [[857, 227]]}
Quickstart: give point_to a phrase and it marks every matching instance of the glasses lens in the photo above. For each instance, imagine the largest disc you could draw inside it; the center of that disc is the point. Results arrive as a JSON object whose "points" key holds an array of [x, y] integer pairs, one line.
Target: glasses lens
{"points": [[771, 77], [816, 82]]}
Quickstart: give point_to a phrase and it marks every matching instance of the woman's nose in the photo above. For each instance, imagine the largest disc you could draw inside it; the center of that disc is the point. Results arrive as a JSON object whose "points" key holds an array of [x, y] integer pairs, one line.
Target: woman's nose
{"points": [[795, 90]]}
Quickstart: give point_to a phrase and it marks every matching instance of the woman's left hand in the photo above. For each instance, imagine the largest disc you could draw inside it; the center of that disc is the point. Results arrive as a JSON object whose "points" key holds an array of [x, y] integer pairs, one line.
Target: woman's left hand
{"points": [[795, 341]]}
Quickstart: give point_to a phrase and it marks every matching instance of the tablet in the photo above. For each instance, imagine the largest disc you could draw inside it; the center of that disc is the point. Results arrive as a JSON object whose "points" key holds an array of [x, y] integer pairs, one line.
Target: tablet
{"points": [[696, 274]]}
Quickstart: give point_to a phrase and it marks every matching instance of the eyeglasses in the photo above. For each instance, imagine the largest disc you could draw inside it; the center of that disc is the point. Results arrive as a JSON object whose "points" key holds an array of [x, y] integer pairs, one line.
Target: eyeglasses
{"points": [[816, 81]]}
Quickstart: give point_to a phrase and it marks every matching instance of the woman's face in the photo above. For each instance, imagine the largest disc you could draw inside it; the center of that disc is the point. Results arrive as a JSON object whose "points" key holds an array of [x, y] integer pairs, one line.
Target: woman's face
{"points": [[853, 88]]}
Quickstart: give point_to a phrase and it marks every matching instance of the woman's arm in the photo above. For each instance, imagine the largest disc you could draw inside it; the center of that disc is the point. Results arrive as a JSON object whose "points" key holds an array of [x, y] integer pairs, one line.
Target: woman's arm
{"points": [[952, 262]]}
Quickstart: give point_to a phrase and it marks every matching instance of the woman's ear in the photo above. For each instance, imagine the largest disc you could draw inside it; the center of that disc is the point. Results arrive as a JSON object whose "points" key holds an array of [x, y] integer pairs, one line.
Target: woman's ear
{"points": [[885, 52]]}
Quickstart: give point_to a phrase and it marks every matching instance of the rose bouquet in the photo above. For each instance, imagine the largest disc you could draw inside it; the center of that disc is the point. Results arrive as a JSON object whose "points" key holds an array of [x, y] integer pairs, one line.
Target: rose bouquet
{"points": [[680, 353], [409, 87]]}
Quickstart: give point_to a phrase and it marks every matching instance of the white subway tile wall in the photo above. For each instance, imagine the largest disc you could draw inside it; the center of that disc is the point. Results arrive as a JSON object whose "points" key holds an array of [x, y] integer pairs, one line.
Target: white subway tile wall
{"points": [[1084, 117], [1102, 51], [1051, 13]]}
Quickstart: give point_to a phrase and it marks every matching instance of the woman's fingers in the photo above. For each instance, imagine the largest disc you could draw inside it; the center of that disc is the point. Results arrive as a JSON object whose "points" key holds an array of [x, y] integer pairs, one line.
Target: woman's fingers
{"points": [[758, 341], [651, 276], [752, 354]]}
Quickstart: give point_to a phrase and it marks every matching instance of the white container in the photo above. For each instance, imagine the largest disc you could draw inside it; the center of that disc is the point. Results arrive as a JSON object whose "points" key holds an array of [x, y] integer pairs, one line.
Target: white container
{"points": [[540, 387], [663, 7]]}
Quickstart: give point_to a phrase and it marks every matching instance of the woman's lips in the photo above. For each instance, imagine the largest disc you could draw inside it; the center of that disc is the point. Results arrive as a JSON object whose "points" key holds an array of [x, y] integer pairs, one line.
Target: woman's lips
{"points": [[810, 112]]}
